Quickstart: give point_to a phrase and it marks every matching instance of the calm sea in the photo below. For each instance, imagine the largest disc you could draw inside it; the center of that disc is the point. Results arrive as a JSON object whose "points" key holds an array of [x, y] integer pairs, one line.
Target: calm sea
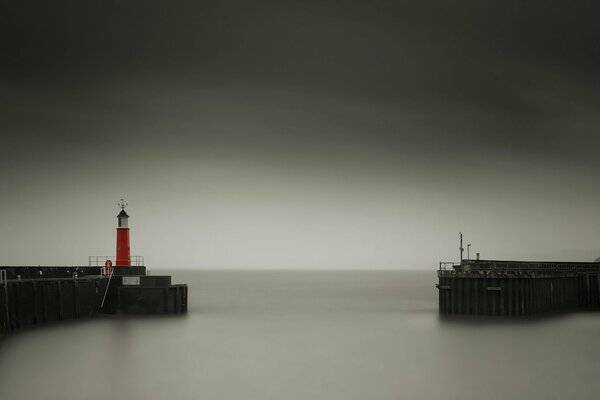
{"points": [[306, 335]]}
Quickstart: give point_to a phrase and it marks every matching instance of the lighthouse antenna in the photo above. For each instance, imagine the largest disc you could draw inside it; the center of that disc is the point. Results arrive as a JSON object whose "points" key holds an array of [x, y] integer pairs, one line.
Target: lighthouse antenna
{"points": [[122, 204]]}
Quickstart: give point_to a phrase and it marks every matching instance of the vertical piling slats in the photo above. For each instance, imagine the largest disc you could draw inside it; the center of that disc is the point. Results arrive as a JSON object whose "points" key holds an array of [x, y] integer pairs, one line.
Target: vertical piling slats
{"points": [[35, 302], [552, 300], [178, 296], [483, 296], [593, 278], [510, 296], [515, 296], [587, 290], [166, 299], [17, 296], [486, 295], [534, 295], [527, 296], [464, 294], [472, 300], [4, 281], [444, 295], [598, 288], [448, 294], [440, 296], [460, 297], [452, 282], [530, 288], [542, 298], [60, 300], [77, 299], [45, 308], [521, 289], [475, 305], [502, 298]]}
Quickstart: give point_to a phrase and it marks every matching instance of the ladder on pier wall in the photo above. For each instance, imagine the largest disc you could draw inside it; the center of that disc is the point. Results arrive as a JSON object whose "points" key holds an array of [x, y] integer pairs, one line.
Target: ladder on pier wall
{"points": [[112, 272]]}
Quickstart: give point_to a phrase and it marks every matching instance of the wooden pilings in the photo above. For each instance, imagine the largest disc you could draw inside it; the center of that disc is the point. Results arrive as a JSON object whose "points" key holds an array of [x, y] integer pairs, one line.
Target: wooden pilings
{"points": [[517, 295], [32, 302]]}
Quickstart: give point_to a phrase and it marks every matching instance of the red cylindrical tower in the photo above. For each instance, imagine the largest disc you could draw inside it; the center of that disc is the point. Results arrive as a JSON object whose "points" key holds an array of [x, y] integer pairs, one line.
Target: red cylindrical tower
{"points": [[123, 252]]}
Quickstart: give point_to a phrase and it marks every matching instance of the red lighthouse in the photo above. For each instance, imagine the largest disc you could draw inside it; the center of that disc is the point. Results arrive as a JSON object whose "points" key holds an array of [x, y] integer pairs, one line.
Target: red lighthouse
{"points": [[123, 252]]}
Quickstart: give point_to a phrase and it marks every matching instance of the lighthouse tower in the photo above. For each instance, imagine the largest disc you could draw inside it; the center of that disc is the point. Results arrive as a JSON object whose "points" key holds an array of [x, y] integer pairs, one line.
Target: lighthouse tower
{"points": [[123, 252]]}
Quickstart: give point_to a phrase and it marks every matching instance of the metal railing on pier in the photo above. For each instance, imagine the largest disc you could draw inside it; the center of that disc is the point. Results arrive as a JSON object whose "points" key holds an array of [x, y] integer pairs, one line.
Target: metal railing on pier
{"points": [[545, 266], [515, 267], [101, 261], [448, 265]]}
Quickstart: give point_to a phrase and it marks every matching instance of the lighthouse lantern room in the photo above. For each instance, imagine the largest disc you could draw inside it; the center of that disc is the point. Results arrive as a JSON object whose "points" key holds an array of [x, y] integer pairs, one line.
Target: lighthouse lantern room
{"points": [[123, 250]]}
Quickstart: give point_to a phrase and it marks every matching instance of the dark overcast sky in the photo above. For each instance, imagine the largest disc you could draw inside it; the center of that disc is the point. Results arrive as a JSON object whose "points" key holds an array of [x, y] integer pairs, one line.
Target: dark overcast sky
{"points": [[298, 134]]}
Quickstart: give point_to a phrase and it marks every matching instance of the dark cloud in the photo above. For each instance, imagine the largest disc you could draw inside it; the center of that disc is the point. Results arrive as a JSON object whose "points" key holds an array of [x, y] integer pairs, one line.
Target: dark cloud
{"points": [[403, 100]]}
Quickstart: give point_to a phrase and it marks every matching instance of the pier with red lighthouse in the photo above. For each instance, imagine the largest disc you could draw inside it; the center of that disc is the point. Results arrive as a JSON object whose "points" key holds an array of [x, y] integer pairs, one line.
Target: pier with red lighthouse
{"points": [[34, 295]]}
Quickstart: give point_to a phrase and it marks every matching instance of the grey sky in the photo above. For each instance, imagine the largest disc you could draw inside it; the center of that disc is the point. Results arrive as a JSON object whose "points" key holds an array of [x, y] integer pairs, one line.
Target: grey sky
{"points": [[284, 134]]}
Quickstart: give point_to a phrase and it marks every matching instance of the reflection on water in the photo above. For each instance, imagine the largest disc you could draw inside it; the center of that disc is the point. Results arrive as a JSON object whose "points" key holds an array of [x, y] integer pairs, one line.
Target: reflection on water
{"points": [[306, 335]]}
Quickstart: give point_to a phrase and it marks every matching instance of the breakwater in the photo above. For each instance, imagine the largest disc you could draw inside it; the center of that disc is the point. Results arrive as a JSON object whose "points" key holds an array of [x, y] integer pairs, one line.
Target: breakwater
{"points": [[31, 296], [490, 287]]}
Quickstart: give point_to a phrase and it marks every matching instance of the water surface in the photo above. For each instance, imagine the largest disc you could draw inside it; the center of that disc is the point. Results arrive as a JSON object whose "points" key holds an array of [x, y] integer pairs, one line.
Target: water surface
{"points": [[306, 335]]}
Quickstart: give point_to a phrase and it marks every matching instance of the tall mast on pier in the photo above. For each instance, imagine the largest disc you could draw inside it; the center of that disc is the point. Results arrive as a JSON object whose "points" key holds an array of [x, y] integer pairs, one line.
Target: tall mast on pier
{"points": [[461, 247]]}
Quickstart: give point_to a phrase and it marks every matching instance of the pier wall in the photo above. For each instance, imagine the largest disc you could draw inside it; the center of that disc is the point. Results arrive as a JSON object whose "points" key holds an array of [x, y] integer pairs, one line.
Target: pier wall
{"points": [[55, 297], [26, 303], [527, 294], [153, 300]]}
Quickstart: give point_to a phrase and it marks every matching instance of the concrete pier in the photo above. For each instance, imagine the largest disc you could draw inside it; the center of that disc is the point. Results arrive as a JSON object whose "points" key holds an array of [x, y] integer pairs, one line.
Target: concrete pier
{"points": [[32, 296], [490, 287]]}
